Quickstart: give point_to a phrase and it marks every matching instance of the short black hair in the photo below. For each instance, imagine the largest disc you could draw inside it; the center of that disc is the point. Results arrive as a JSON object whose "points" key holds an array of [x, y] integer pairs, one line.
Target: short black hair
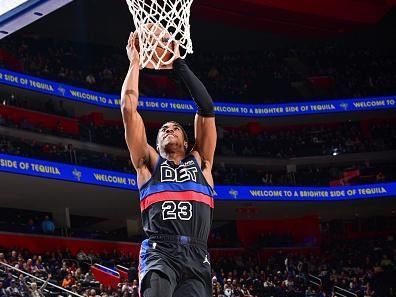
{"points": [[177, 124]]}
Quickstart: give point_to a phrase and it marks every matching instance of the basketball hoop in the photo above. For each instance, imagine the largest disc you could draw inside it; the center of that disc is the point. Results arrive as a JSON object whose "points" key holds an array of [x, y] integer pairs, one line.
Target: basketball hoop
{"points": [[160, 24]]}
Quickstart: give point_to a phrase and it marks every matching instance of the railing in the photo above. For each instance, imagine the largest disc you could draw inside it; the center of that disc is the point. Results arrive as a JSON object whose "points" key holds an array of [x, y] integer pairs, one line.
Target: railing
{"points": [[5, 271], [315, 280], [338, 291], [71, 260], [9, 267]]}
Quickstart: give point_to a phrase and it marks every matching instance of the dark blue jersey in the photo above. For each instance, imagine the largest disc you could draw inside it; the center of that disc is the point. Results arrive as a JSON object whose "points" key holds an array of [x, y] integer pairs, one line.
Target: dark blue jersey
{"points": [[177, 200]]}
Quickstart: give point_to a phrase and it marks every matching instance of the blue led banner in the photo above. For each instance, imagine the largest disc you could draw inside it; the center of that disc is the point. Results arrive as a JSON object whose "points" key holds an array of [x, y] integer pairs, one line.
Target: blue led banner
{"points": [[67, 172], [106, 178], [273, 193], [187, 106], [57, 89]]}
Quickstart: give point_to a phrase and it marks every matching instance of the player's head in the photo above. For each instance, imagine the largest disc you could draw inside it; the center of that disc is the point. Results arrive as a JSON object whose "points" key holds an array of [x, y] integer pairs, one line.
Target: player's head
{"points": [[172, 136]]}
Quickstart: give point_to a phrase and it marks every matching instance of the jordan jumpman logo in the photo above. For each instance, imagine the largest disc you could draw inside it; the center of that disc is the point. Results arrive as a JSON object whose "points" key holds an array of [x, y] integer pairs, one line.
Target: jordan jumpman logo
{"points": [[206, 260]]}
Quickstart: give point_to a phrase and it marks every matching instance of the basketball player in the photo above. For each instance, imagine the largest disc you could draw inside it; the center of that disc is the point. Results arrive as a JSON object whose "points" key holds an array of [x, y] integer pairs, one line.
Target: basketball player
{"points": [[176, 190]]}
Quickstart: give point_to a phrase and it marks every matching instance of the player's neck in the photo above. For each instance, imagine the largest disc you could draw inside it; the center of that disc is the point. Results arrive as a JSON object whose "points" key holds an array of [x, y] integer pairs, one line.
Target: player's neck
{"points": [[175, 156]]}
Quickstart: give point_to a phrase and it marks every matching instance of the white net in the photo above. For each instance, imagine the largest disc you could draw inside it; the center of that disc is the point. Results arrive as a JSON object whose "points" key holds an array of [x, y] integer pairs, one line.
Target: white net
{"points": [[161, 23]]}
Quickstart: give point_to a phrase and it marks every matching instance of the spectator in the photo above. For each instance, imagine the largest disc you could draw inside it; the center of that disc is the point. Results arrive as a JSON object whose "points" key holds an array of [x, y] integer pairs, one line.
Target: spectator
{"points": [[92, 293], [309, 292], [2, 120], [2, 258], [347, 264], [82, 256], [47, 225], [3, 292], [68, 281], [78, 275], [13, 289], [33, 290], [13, 258], [344, 71], [31, 227], [90, 79], [135, 288], [126, 288]]}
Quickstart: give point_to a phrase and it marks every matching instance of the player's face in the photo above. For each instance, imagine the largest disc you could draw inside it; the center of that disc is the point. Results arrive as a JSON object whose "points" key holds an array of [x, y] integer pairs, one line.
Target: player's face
{"points": [[170, 134]]}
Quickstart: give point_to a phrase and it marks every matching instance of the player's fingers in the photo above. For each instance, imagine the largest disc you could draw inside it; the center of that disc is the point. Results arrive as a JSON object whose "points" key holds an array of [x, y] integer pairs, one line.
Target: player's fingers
{"points": [[135, 39], [131, 38]]}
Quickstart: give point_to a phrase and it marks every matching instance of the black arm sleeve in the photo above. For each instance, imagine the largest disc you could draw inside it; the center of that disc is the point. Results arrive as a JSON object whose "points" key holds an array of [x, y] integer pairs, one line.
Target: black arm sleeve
{"points": [[196, 88]]}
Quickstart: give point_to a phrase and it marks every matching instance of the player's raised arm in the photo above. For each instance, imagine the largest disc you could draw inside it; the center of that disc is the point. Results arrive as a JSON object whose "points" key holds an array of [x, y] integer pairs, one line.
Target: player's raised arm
{"points": [[205, 127], [135, 133]]}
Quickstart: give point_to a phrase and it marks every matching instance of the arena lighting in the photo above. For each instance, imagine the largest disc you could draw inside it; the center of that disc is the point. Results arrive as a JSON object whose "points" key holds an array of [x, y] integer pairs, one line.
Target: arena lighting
{"points": [[9, 5], [16, 14], [335, 151]]}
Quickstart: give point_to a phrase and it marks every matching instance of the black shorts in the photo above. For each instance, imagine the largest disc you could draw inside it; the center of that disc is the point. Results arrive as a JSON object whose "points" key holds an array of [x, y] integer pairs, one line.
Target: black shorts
{"points": [[174, 266]]}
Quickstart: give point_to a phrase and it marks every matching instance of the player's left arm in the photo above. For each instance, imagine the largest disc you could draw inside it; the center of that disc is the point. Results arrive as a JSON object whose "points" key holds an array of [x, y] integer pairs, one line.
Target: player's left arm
{"points": [[204, 124]]}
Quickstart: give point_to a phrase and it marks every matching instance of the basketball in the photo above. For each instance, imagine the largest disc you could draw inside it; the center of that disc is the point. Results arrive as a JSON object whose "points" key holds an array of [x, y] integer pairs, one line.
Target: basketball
{"points": [[158, 38], [162, 53]]}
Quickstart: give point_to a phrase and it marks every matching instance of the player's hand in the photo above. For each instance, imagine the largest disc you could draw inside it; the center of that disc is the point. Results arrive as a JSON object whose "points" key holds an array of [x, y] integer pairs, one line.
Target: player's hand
{"points": [[132, 52], [176, 50]]}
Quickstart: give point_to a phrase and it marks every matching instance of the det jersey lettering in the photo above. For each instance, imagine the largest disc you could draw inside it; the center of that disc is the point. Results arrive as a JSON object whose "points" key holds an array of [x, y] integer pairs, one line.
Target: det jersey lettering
{"points": [[181, 210], [184, 172]]}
